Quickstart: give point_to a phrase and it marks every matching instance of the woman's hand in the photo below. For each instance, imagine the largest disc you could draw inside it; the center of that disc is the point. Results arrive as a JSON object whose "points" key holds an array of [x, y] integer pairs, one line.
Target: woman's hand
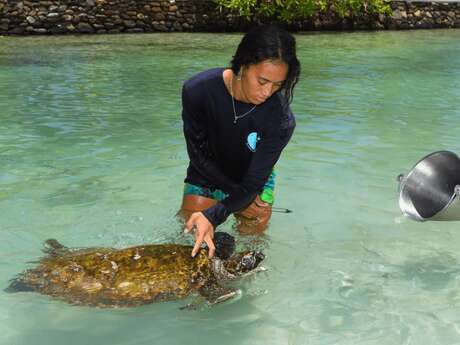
{"points": [[204, 231]]}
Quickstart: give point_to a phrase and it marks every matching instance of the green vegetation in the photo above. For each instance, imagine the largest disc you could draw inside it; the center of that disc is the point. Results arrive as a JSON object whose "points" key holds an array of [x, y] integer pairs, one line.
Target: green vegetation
{"points": [[291, 10]]}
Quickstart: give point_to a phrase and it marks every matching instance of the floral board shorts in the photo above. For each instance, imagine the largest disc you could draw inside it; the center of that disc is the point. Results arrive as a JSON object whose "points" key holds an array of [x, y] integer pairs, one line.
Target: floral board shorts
{"points": [[267, 194]]}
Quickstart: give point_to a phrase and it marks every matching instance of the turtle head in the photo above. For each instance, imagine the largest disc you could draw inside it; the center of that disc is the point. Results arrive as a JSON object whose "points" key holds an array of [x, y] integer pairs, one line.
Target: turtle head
{"points": [[244, 262]]}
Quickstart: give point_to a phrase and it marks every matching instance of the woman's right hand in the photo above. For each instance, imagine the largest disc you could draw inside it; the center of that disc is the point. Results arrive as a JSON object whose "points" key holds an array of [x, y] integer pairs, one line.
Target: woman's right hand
{"points": [[204, 232]]}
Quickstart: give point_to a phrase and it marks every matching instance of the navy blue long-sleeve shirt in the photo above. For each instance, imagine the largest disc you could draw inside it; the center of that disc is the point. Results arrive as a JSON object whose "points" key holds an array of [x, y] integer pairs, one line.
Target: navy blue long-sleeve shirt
{"points": [[234, 157]]}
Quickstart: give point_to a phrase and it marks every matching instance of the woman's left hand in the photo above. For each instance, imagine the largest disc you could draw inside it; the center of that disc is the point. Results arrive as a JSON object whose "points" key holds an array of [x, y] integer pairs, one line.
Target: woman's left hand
{"points": [[204, 232]]}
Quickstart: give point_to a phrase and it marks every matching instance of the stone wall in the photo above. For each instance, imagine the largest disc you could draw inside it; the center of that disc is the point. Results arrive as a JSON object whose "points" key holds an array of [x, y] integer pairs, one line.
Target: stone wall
{"points": [[23, 17], [424, 15], [95, 16]]}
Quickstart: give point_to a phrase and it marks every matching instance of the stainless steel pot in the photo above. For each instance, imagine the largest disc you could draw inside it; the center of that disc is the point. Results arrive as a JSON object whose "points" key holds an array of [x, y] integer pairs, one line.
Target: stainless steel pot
{"points": [[431, 190]]}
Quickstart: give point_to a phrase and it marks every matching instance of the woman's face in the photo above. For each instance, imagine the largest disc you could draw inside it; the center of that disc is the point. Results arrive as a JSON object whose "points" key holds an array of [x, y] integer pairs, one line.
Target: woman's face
{"points": [[261, 80]]}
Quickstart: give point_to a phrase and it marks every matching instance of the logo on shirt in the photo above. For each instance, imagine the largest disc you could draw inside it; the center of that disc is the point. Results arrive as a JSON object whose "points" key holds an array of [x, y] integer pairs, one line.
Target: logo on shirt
{"points": [[252, 140]]}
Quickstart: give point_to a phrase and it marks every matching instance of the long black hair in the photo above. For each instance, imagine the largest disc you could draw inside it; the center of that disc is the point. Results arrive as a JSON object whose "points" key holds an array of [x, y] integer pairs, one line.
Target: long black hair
{"points": [[269, 42]]}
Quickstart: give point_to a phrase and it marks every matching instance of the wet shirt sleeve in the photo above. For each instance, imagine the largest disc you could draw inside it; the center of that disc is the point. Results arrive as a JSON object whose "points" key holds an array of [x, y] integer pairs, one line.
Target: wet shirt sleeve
{"points": [[195, 134], [264, 159]]}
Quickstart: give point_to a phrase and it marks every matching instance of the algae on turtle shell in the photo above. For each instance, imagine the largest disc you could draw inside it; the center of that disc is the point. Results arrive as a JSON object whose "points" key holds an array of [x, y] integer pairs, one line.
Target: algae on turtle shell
{"points": [[108, 277]]}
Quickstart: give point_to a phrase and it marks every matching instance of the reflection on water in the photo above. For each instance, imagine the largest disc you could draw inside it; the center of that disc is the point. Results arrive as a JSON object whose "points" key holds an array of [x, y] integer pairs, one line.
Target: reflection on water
{"points": [[91, 153]]}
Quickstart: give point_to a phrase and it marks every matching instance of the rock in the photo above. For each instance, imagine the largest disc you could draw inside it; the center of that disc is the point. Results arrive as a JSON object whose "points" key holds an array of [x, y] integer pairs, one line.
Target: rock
{"points": [[177, 27], [58, 29], [160, 27], [398, 15], [417, 13], [85, 28], [16, 31], [31, 20], [404, 25], [40, 31], [135, 30], [392, 26], [317, 23], [129, 23]]}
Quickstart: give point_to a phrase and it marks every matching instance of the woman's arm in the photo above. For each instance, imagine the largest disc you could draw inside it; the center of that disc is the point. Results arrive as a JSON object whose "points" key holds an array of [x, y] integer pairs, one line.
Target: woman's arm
{"points": [[262, 163]]}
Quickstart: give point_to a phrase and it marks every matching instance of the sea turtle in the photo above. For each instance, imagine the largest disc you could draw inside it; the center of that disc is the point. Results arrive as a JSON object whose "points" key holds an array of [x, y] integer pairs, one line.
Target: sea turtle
{"points": [[107, 277]]}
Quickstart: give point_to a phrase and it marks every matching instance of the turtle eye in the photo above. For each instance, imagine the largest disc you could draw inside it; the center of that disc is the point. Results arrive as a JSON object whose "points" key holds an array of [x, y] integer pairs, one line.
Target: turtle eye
{"points": [[248, 261]]}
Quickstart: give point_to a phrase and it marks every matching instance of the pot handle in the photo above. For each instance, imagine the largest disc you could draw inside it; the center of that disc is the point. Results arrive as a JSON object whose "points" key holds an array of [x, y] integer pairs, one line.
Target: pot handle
{"points": [[457, 190], [400, 178]]}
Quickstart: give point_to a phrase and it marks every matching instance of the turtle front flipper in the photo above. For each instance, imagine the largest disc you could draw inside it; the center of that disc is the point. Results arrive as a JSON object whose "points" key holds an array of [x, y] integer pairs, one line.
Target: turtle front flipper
{"points": [[19, 284], [216, 293], [211, 295]]}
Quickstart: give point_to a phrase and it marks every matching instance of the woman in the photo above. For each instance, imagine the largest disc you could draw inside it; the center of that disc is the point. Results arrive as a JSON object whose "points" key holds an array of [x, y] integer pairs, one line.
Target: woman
{"points": [[236, 123]]}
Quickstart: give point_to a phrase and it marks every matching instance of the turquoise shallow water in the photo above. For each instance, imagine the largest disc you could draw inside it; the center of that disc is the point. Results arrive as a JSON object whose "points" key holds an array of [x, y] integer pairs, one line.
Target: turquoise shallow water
{"points": [[91, 153]]}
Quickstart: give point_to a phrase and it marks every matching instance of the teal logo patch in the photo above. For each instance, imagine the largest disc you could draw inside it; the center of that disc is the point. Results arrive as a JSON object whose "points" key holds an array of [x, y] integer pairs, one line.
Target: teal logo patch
{"points": [[252, 140]]}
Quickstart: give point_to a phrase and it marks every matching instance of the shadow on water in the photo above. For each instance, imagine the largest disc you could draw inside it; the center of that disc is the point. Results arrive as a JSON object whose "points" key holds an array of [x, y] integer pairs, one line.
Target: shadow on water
{"points": [[433, 272]]}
